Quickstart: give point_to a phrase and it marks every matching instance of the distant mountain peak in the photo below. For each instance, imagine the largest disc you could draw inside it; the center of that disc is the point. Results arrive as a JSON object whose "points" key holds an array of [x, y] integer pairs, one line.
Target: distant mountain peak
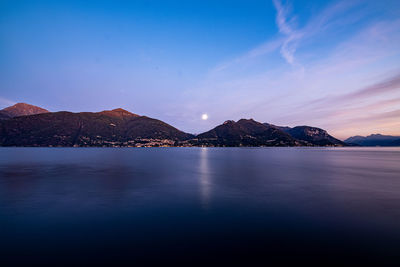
{"points": [[22, 109], [24, 106], [119, 112]]}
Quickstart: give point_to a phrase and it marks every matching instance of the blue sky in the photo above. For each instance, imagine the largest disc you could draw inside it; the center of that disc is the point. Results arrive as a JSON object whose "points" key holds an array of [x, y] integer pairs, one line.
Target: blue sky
{"points": [[330, 64]]}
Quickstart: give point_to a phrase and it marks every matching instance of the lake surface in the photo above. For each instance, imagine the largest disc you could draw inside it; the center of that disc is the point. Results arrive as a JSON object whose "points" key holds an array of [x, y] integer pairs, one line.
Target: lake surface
{"points": [[194, 206]]}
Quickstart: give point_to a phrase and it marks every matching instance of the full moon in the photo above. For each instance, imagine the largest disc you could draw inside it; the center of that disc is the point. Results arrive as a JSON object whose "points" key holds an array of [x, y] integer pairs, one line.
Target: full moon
{"points": [[204, 116]]}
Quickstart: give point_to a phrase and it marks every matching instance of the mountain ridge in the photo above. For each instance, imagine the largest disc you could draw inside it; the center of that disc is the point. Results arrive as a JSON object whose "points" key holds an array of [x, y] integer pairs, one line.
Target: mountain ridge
{"points": [[245, 132], [119, 127], [106, 128], [374, 140]]}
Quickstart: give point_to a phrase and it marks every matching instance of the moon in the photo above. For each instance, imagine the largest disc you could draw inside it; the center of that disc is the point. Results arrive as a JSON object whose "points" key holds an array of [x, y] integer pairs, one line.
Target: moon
{"points": [[204, 117]]}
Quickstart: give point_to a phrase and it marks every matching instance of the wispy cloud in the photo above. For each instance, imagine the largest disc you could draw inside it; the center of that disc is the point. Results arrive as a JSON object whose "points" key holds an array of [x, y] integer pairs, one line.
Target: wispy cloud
{"points": [[261, 50], [388, 85], [327, 18], [292, 36], [285, 24]]}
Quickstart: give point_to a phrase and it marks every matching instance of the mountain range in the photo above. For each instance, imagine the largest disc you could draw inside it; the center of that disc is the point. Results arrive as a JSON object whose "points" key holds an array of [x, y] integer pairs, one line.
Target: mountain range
{"points": [[374, 140], [28, 125], [116, 127]]}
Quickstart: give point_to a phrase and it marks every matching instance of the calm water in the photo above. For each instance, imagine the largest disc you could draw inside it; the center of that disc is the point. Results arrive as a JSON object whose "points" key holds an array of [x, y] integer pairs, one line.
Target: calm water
{"points": [[198, 205]]}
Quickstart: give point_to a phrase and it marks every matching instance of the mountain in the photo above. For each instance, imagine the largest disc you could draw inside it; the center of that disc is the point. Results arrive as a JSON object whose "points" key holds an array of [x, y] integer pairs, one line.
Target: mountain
{"points": [[20, 109], [312, 135], [116, 127], [245, 133], [374, 140], [27, 125]]}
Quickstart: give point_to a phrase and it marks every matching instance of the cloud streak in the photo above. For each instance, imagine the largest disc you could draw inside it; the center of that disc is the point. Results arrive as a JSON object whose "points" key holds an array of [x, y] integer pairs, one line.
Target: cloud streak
{"points": [[326, 19], [389, 85], [285, 26]]}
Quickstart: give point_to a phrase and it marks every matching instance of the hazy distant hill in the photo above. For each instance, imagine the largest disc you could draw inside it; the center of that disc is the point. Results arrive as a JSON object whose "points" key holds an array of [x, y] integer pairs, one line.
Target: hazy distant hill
{"points": [[374, 140], [108, 128], [246, 133], [21, 109]]}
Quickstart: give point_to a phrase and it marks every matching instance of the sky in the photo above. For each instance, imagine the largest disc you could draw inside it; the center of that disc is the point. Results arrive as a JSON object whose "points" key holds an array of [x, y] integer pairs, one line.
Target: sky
{"points": [[328, 64]]}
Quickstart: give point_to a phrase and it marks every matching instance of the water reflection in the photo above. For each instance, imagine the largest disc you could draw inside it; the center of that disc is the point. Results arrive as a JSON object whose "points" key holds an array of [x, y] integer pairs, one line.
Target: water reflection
{"points": [[205, 179]]}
